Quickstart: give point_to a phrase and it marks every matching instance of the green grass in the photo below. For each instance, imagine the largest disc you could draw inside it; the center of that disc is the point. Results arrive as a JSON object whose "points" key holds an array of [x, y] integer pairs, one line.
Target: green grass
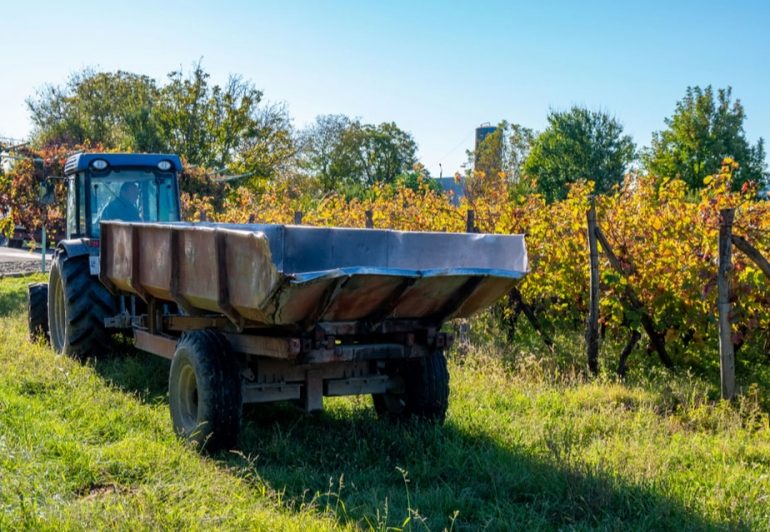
{"points": [[528, 443]]}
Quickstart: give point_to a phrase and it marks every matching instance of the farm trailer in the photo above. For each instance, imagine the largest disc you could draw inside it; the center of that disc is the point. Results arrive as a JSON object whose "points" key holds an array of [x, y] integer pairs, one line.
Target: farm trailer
{"points": [[263, 313]]}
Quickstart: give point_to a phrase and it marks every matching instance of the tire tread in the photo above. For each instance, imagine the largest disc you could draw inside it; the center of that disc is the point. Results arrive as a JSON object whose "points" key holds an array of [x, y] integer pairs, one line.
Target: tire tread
{"points": [[87, 303], [218, 378], [37, 310]]}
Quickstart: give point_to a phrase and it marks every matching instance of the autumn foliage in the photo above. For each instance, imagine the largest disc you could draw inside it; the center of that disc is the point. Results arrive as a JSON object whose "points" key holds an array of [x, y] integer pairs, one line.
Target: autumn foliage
{"points": [[20, 191]]}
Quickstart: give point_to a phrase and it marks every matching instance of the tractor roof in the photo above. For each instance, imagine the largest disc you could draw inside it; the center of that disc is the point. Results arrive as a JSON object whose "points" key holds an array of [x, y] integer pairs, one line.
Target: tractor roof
{"points": [[81, 161]]}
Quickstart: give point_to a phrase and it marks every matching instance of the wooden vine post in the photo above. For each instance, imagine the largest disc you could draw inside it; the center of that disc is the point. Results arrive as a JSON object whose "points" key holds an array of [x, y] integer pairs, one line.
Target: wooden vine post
{"points": [[297, 217], [470, 221], [726, 353], [592, 326]]}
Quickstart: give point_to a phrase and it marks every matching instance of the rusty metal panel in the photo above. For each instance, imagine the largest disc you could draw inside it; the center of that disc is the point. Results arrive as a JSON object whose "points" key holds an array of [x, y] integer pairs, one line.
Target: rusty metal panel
{"points": [[428, 296], [268, 346], [251, 275], [267, 393], [363, 296], [155, 343], [116, 253], [297, 303], [488, 291], [156, 258], [197, 263]]}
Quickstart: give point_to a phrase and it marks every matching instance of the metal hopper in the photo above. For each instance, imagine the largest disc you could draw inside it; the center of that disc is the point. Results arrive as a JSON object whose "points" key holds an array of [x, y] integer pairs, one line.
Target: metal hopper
{"points": [[293, 277]]}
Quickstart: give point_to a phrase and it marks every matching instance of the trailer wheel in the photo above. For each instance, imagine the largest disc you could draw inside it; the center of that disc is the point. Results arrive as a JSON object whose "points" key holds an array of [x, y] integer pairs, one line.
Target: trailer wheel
{"points": [[77, 306], [205, 391], [425, 392], [37, 310]]}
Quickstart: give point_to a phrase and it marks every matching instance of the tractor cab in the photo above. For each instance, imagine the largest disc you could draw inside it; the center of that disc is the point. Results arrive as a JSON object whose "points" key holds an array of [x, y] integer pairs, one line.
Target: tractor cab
{"points": [[132, 187]]}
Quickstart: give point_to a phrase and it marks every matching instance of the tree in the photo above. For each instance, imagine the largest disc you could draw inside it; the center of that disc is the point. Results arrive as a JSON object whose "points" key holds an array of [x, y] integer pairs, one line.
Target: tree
{"points": [[704, 129], [579, 144], [347, 154], [322, 154], [20, 190], [113, 109], [417, 178], [268, 150], [222, 127], [207, 123]]}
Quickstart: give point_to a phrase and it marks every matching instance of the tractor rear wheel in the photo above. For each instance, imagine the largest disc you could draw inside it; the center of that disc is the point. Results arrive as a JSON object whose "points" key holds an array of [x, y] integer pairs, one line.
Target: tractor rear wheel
{"points": [[204, 389], [77, 306]]}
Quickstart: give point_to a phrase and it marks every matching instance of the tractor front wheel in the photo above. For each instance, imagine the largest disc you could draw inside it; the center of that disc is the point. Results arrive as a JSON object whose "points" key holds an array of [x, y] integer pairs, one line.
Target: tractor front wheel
{"points": [[37, 310]]}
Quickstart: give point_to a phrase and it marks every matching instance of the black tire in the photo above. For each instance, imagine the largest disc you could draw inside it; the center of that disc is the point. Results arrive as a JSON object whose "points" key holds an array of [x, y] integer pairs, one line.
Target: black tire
{"points": [[77, 306], [204, 389], [425, 392], [37, 310]]}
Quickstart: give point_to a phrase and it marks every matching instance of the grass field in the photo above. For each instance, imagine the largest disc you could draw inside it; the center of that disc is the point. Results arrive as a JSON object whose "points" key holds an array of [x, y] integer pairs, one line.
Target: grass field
{"points": [[525, 446]]}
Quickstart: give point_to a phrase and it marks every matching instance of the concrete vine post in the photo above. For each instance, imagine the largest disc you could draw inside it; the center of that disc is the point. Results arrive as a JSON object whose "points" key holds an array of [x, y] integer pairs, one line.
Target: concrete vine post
{"points": [[726, 353]]}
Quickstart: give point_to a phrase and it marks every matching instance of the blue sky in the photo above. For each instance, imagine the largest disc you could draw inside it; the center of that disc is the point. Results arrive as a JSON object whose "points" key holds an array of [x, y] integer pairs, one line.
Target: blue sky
{"points": [[438, 69]]}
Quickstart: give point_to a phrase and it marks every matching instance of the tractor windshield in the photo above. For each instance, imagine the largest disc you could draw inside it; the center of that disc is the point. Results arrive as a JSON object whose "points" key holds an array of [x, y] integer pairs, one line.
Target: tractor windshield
{"points": [[132, 195]]}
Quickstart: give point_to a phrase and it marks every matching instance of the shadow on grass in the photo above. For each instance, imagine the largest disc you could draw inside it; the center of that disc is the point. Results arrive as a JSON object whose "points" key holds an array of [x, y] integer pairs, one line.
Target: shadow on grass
{"points": [[371, 473], [12, 302], [13, 293], [448, 470], [135, 372]]}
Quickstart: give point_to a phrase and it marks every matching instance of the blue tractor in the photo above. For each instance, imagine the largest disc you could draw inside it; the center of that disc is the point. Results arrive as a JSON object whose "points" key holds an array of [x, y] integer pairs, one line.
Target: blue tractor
{"points": [[101, 186]]}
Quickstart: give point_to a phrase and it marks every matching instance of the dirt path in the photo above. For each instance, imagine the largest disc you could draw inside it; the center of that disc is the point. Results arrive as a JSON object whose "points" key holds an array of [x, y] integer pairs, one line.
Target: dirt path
{"points": [[19, 268], [18, 262]]}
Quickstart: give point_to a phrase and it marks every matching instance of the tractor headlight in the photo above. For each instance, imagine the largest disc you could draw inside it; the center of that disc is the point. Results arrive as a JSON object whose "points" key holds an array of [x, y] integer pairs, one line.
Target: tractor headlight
{"points": [[99, 164], [164, 166]]}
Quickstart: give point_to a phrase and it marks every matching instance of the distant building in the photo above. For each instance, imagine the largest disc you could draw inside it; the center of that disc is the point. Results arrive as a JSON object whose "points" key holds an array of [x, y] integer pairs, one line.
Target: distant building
{"points": [[493, 155], [6, 162], [457, 187], [449, 184], [482, 132]]}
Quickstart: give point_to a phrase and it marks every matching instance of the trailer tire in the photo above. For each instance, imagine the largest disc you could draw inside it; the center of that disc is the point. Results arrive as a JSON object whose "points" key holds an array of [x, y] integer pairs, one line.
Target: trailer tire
{"points": [[77, 306], [205, 391], [37, 311], [425, 392]]}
